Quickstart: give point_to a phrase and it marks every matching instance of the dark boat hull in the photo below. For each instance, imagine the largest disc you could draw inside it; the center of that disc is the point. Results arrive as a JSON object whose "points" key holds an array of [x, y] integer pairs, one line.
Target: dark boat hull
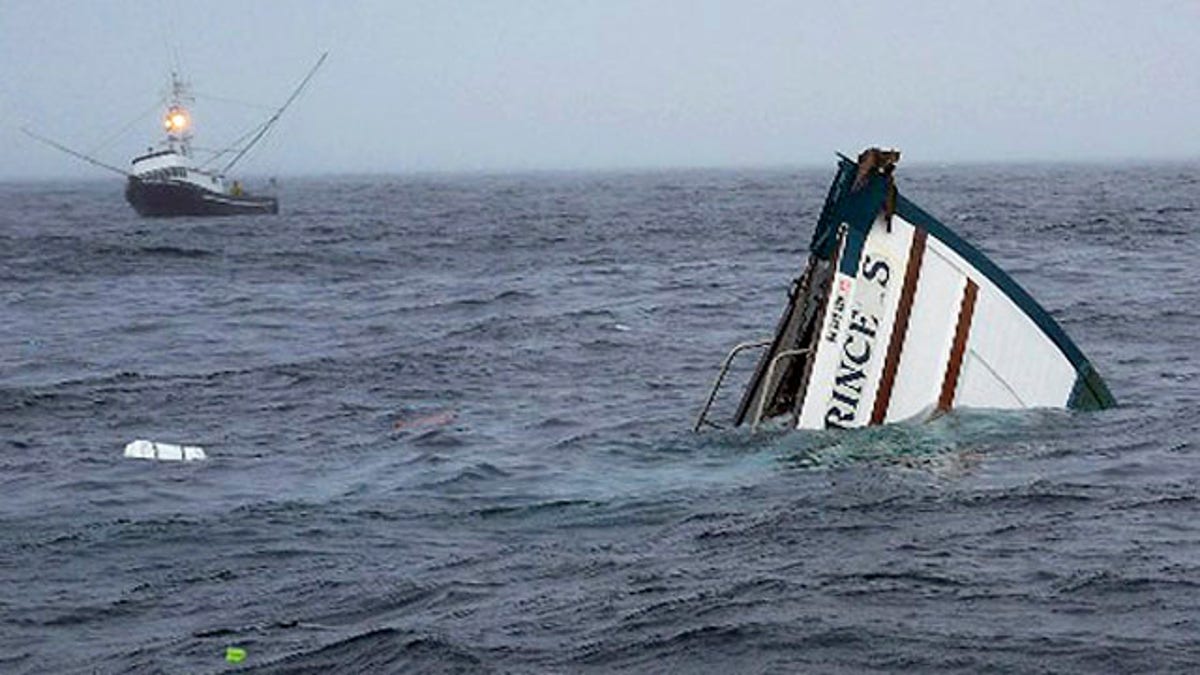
{"points": [[175, 198]]}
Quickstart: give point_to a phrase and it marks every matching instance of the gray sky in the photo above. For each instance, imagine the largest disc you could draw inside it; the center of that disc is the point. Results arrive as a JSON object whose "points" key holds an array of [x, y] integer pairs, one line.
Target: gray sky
{"points": [[506, 84]]}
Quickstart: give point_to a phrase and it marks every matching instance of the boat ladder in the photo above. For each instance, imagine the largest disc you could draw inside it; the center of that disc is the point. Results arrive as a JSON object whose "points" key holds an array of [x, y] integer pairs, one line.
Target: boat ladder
{"points": [[712, 395]]}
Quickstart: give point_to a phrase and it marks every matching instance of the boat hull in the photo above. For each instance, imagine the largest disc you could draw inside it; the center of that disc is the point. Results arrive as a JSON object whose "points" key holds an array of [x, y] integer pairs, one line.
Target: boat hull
{"points": [[896, 317], [177, 198]]}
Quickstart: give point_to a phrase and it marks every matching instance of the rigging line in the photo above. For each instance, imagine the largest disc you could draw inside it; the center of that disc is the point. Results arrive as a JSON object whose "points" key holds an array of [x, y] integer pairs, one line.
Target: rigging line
{"points": [[278, 113], [123, 130], [74, 153], [171, 37], [235, 101], [234, 145]]}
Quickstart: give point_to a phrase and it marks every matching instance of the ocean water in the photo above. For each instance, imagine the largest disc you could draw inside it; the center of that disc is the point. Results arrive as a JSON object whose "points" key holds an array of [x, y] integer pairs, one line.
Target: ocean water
{"points": [[448, 426]]}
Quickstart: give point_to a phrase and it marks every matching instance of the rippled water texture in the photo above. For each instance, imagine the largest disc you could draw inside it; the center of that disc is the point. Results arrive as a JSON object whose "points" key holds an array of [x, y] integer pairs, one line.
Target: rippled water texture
{"points": [[447, 425]]}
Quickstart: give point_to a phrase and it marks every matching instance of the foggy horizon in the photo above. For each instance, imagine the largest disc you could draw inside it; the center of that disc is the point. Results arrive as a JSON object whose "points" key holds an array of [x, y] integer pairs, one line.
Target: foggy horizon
{"points": [[254, 177], [432, 88]]}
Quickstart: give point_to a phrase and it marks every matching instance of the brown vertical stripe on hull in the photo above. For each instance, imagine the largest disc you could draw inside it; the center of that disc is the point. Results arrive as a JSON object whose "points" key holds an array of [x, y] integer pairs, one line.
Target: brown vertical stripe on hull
{"points": [[961, 332], [912, 273]]}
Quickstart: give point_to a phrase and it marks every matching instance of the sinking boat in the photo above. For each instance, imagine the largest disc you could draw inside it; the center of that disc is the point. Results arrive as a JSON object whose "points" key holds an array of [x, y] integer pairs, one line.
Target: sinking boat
{"points": [[896, 317], [170, 180]]}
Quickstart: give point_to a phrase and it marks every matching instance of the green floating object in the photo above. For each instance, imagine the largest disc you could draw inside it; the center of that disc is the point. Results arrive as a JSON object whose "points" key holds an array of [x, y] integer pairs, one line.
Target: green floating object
{"points": [[235, 654]]}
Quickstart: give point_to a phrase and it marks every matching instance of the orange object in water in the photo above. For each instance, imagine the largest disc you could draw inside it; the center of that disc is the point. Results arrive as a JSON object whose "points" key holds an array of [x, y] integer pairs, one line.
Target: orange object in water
{"points": [[431, 420]]}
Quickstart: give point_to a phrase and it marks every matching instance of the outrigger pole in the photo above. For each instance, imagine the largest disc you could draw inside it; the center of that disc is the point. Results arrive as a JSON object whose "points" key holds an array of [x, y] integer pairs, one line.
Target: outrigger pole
{"points": [[274, 118], [74, 153], [234, 145]]}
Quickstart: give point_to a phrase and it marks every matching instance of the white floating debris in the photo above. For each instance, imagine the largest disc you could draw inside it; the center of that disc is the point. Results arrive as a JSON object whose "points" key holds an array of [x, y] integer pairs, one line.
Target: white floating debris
{"points": [[167, 452]]}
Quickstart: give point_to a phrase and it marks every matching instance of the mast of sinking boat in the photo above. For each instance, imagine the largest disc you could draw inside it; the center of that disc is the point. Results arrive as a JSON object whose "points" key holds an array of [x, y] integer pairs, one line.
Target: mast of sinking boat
{"points": [[275, 118]]}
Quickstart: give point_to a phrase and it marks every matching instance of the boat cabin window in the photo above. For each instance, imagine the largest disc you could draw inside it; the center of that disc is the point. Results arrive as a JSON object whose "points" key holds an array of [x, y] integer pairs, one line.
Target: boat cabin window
{"points": [[165, 173]]}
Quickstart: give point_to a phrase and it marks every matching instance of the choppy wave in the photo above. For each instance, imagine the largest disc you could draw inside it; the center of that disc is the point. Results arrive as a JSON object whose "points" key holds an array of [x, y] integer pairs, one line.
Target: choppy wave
{"points": [[447, 426]]}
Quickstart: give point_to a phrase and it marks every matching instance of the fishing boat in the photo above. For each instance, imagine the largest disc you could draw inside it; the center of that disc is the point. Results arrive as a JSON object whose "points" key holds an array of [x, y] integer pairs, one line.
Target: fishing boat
{"points": [[166, 181], [170, 180], [896, 317]]}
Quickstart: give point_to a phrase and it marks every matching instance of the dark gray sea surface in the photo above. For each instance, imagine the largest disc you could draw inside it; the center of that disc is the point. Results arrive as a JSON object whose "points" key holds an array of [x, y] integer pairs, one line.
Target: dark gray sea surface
{"points": [[448, 422]]}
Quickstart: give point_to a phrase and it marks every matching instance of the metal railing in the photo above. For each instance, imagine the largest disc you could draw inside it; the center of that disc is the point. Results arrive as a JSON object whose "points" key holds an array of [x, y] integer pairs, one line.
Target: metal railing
{"points": [[712, 395], [762, 400]]}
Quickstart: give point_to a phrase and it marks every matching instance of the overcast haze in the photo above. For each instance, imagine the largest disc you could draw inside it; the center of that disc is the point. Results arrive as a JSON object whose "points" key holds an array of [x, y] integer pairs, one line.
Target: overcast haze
{"points": [[449, 86]]}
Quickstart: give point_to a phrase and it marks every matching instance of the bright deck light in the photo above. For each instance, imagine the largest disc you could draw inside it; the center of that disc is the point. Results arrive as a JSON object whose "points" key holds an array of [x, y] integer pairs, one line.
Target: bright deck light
{"points": [[176, 120]]}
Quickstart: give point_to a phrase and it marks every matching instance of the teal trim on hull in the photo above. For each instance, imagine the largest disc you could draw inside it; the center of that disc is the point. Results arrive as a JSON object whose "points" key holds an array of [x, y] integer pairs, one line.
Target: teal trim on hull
{"points": [[1090, 392], [858, 211]]}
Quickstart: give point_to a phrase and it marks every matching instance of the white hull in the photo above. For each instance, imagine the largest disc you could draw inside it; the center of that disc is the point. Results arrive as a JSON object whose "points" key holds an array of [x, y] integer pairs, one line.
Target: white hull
{"points": [[965, 342], [898, 317]]}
